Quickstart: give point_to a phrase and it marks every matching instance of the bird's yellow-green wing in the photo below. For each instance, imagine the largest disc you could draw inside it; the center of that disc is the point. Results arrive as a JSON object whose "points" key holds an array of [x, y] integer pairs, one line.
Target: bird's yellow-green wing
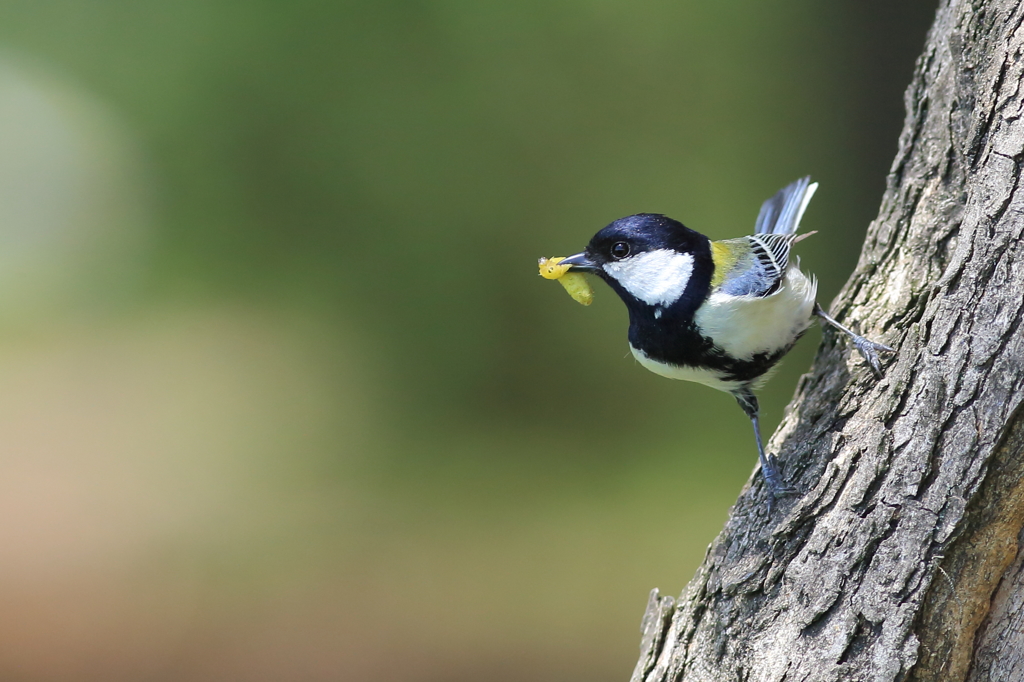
{"points": [[750, 266], [724, 254]]}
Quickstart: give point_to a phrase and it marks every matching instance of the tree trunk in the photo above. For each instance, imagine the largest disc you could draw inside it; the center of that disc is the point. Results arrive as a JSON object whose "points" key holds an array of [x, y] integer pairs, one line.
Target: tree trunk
{"points": [[900, 560]]}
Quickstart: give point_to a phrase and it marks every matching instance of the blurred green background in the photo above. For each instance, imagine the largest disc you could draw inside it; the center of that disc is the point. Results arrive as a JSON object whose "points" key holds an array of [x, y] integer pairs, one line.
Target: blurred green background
{"points": [[283, 395]]}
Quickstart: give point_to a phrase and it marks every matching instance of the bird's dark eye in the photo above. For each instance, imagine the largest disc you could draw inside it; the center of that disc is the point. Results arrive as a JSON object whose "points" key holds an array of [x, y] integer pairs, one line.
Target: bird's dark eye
{"points": [[620, 250]]}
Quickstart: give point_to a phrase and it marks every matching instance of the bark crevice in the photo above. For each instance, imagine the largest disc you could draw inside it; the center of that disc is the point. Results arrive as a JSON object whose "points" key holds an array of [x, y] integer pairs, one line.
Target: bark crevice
{"points": [[974, 564], [885, 568]]}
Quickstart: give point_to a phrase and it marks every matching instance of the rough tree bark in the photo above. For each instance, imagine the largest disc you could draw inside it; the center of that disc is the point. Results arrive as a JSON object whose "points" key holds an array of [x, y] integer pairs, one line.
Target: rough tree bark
{"points": [[900, 561]]}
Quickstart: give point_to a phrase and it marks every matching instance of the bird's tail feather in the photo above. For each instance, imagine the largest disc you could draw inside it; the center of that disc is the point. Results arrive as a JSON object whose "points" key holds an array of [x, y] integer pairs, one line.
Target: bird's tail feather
{"points": [[781, 214]]}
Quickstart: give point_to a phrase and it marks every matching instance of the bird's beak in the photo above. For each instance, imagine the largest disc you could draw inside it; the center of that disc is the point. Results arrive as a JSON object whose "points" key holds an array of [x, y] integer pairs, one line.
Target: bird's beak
{"points": [[580, 263]]}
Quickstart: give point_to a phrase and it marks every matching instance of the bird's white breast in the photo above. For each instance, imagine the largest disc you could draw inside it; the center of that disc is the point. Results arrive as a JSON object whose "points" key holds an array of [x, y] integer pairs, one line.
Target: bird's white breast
{"points": [[657, 278], [744, 326]]}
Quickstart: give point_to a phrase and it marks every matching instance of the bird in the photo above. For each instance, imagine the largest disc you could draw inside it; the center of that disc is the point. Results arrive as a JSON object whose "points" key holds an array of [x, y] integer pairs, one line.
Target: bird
{"points": [[718, 313]]}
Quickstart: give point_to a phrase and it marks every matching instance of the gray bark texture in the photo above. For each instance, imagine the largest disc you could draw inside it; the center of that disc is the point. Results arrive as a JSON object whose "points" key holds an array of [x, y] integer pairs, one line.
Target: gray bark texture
{"points": [[900, 560]]}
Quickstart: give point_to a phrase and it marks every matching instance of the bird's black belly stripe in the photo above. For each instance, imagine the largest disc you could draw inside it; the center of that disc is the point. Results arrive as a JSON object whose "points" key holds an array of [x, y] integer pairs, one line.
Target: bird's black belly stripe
{"points": [[683, 345]]}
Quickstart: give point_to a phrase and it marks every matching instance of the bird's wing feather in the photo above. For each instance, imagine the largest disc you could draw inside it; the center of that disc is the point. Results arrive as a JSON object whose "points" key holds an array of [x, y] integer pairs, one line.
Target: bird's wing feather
{"points": [[756, 265], [781, 214], [751, 266], [772, 253]]}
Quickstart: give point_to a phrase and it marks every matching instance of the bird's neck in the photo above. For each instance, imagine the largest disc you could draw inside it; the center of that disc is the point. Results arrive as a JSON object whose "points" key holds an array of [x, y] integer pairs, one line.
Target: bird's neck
{"points": [[667, 335]]}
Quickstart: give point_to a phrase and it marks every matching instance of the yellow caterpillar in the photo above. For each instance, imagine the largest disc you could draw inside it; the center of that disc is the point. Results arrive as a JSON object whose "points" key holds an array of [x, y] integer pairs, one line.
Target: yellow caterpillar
{"points": [[574, 283]]}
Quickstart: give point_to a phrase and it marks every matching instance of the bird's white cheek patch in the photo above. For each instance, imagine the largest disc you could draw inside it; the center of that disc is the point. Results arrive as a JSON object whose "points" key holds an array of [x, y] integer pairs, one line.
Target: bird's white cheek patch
{"points": [[655, 277]]}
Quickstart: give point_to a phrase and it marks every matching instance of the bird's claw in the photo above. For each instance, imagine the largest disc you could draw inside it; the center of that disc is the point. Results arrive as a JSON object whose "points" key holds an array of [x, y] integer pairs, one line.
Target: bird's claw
{"points": [[869, 350], [777, 485]]}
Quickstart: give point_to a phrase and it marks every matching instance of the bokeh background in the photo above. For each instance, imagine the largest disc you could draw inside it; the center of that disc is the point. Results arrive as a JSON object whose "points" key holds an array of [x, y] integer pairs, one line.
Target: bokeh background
{"points": [[281, 394]]}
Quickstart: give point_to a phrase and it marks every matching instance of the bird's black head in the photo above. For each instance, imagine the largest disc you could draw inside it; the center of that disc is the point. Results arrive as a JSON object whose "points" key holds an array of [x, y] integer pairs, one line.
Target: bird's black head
{"points": [[657, 265]]}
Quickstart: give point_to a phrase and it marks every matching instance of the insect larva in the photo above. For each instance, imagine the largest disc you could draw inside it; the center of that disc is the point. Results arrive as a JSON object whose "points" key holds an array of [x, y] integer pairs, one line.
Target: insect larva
{"points": [[575, 284]]}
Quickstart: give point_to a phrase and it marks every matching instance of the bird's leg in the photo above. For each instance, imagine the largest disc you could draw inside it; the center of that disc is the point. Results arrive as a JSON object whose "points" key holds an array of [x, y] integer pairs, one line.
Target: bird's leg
{"points": [[869, 350], [770, 468]]}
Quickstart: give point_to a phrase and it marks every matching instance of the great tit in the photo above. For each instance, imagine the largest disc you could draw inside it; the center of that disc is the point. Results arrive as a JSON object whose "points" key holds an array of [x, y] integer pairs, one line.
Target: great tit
{"points": [[720, 313]]}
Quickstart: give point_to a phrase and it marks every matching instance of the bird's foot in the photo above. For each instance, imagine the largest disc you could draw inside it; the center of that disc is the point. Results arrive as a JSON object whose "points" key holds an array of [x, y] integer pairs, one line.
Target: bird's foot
{"points": [[869, 350], [777, 485]]}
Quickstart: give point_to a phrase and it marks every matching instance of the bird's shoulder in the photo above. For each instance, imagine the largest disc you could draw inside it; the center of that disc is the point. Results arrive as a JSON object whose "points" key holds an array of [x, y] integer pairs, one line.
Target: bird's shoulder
{"points": [[750, 266]]}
